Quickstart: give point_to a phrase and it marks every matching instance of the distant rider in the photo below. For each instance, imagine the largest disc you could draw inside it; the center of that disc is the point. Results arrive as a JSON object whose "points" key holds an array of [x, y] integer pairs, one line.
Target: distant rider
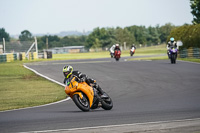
{"points": [[171, 43], [68, 73], [112, 50], [117, 47], [133, 46]]}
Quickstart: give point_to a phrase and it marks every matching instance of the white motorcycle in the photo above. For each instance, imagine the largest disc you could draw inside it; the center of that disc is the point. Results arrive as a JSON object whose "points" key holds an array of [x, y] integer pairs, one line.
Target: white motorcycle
{"points": [[132, 51]]}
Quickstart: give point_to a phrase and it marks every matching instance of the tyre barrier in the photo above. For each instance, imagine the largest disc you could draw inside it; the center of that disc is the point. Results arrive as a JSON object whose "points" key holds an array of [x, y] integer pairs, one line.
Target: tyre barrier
{"points": [[9, 57]]}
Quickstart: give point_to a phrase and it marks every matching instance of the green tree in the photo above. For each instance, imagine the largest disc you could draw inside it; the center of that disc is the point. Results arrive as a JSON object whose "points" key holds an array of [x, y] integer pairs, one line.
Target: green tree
{"points": [[53, 41], [123, 35], [164, 31], [153, 35], [195, 6], [25, 36], [4, 34], [100, 38], [140, 33], [188, 34]]}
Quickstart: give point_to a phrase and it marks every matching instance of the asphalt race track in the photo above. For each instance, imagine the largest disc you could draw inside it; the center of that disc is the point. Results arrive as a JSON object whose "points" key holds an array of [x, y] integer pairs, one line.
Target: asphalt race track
{"points": [[142, 91]]}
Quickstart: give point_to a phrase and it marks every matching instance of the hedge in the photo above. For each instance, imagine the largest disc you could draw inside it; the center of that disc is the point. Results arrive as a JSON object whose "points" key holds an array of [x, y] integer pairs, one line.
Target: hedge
{"points": [[188, 34]]}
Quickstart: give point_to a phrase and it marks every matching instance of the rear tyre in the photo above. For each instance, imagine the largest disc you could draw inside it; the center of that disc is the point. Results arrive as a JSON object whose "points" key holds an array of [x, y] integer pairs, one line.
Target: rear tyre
{"points": [[107, 103], [117, 59], [82, 104]]}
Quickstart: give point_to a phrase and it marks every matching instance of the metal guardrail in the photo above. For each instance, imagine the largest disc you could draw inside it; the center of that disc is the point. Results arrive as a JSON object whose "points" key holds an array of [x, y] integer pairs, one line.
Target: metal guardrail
{"points": [[190, 53]]}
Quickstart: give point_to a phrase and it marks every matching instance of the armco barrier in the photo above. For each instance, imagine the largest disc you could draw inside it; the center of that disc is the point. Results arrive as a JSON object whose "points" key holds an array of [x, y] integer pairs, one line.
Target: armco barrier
{"points": [[183, 53], [190, 53], [196, 52]]}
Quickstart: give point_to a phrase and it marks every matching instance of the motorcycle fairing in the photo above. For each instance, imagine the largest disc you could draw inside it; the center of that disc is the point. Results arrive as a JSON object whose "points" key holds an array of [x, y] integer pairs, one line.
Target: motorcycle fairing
{"points": [[79, 88]]}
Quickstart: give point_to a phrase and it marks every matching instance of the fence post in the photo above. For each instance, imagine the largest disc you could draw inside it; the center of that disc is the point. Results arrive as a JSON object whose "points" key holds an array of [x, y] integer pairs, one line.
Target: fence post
{"points": [[36, 47], [4, 44]]}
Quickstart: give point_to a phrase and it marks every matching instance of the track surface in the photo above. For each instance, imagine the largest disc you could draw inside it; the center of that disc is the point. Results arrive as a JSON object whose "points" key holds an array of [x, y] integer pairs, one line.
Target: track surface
{"points": [[142, 91]]}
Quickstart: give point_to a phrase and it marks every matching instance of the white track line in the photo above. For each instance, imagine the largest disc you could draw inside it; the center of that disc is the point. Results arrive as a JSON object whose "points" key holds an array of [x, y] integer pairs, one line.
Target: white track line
{"points": [[44, 76], [44, 104], [113, 126]]}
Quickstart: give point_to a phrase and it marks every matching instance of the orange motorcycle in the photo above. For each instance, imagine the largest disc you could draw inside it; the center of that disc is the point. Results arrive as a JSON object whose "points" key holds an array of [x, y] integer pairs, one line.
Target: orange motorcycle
{"points": [[86, 97]]}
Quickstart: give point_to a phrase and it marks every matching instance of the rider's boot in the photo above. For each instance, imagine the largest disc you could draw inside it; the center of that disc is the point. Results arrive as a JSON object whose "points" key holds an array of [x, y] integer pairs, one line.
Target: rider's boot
{"points": [[103, 94]]}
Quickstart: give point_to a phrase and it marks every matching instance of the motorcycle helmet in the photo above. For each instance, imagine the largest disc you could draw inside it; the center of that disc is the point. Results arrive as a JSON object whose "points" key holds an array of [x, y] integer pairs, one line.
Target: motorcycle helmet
{"points": [[117, 45], [67, 71], [171, 39]]}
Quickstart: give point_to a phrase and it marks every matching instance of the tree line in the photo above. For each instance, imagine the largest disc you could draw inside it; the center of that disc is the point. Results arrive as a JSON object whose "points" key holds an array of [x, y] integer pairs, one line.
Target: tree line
{"points": [[105, 37], [102, 37]]}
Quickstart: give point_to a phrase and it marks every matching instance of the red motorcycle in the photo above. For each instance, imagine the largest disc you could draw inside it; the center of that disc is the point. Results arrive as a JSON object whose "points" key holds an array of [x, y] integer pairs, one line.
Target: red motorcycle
{"points": [[117, 54]]}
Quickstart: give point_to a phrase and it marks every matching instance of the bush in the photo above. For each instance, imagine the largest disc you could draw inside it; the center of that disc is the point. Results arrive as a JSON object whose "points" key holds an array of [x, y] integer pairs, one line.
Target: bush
{"points": [[188, 34]]}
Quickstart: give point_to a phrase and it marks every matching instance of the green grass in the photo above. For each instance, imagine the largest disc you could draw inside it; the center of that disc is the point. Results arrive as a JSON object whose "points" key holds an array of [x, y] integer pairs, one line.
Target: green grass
{"points": [[21, 88], [154, 50], [190, 59]]}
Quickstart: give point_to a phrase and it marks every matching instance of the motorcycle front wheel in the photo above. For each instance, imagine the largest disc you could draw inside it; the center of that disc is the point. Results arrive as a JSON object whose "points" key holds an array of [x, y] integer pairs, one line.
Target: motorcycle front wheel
{"points": [[107, 103], [117, 59], [82, 104], [173, 58]]}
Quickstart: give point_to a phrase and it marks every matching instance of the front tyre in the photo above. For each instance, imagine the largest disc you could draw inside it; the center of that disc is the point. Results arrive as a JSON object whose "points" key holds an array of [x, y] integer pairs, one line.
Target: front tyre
{"points": [[117, 59], [107, 103], [173, 58], [82, 104]]}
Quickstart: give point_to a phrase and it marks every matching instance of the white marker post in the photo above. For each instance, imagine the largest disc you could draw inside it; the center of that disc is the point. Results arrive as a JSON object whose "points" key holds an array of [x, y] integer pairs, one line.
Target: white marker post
{"points": [[4, 44]]}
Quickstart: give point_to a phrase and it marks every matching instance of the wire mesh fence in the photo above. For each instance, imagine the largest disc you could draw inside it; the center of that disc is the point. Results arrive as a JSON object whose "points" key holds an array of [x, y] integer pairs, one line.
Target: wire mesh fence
{"points": [[18, 46]]}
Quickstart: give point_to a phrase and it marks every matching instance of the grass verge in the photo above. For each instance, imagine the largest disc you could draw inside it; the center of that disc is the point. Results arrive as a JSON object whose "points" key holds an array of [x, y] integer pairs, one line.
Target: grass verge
{"points": [[21, 88], [154, 50], [190, 59]]}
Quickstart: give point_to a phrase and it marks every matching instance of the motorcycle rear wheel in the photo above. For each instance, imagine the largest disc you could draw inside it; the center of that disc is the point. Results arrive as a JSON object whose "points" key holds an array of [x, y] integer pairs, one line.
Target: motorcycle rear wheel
{"points": [[107, 104], [82, 104]]}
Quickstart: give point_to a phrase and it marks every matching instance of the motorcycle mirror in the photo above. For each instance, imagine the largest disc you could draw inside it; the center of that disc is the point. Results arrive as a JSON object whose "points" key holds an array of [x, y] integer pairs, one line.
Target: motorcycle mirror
{"points": [[179, 43]]}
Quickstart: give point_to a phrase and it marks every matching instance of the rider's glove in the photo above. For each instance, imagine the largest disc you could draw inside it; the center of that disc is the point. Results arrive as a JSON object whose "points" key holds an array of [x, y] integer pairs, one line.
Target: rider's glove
{"points": [[95, 85], [82, 80]]}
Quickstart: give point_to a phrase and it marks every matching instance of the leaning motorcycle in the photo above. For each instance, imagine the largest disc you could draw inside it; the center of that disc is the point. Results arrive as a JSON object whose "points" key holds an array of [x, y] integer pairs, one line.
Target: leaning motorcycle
{"points": [[86, 97], [173, 54], [132, 51], [117, 55]]}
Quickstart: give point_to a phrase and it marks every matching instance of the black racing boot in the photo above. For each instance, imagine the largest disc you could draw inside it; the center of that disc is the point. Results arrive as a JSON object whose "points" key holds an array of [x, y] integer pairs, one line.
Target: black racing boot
{"points": [[103, 94]]}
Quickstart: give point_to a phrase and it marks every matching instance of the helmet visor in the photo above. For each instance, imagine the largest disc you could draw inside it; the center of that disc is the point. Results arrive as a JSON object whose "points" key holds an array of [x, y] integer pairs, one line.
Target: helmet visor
{"points": [[66, 73]]}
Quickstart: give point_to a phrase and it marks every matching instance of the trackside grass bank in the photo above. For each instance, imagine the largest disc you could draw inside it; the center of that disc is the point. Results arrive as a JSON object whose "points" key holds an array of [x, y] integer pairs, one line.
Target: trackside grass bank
{"points": [[190, 59], [154, 50], [19, 88]]}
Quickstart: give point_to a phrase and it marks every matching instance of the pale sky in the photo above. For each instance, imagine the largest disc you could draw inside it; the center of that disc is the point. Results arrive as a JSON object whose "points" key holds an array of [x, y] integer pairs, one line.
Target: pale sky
{"points": [[54, 16]]}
